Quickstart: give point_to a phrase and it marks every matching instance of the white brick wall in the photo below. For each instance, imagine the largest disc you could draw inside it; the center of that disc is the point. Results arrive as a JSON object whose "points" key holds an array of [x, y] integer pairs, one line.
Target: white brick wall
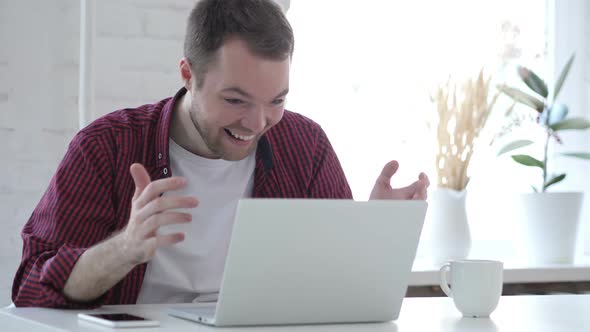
{"points": [[38, 92], [138, 45]]}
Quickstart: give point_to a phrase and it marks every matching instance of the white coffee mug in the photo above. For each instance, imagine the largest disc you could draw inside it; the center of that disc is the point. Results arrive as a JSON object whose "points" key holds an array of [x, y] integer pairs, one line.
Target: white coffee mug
{"points": [[476, 285]]}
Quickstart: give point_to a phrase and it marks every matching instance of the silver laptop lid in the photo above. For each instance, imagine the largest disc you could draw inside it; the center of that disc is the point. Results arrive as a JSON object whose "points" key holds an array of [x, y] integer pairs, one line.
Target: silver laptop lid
{"points": [[318, 261]]}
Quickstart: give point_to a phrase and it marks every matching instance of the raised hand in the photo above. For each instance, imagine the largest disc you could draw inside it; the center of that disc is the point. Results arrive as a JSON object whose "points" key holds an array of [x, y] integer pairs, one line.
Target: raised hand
{"points": [[103, 265], [383, 189], [149, 211]]}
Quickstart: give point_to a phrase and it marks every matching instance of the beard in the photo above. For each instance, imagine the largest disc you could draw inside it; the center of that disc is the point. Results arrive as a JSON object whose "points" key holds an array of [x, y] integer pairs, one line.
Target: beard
{"points": [[213, 139]]}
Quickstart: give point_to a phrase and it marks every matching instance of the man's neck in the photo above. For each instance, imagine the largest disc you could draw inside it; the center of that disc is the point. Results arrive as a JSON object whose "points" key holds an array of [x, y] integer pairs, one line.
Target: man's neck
{"points": [[182, 129]]}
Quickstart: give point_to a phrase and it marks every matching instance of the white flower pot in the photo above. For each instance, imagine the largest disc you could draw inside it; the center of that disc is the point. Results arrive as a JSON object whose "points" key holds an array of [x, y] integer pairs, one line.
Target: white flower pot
{"points": [[449, 236], [550, 224]]}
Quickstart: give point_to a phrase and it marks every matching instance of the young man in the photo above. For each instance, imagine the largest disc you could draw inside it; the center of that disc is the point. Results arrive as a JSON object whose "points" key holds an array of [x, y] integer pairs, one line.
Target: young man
{"points": [[95, 236]]}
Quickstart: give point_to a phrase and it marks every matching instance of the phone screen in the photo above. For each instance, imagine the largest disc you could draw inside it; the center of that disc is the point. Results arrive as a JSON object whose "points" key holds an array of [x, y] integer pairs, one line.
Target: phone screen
{"points": [[118, 317]]}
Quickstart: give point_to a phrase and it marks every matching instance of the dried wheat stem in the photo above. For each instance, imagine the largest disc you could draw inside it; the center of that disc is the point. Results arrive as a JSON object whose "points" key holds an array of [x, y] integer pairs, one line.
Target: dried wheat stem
{"points": [[460, 121]]}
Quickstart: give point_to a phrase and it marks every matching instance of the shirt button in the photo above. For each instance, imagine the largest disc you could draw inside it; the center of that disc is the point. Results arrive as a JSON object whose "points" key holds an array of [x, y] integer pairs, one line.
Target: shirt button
{"points": [[165, 171], [159, 156]]}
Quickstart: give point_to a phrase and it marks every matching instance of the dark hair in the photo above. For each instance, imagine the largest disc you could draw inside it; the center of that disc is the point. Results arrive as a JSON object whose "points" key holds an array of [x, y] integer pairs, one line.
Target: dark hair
{"points": [[260, 23]]}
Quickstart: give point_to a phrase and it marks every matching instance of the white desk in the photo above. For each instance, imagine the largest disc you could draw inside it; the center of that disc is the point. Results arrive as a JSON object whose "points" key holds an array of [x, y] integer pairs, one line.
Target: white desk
{"points": [[562, 313]]}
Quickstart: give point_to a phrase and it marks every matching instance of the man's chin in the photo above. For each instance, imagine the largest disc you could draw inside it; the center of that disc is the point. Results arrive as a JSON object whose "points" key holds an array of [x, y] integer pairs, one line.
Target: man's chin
{"points": [[234, 154]]}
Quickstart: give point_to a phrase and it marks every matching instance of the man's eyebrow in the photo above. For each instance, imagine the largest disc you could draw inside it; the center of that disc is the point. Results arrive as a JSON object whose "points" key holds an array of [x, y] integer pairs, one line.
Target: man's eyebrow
{"points": [[238, 91], [247, 95], [282, 94]]}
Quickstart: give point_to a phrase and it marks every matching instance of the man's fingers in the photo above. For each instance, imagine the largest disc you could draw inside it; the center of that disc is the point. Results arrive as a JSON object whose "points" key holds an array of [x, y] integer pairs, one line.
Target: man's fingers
{"points": [[424, 178], [407, 192], [164, 203], [416, 190], [424, 183], [169, 239], [151, 245], [419, 193], [141, 178], [158, 220], [156, 188], [388, 171]]}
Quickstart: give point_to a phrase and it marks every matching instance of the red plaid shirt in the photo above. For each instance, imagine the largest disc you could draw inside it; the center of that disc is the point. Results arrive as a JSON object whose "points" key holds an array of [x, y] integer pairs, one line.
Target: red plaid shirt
{"points": [[90, 194]]}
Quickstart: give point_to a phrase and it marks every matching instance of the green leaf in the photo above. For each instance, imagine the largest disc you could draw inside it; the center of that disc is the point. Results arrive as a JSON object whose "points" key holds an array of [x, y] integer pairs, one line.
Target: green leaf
{"points": [[522, 97], [528, 160], [581, 155], [573, 123], [535, 189], [514, 145], [563, 75], [554, 181], [533, 81]]}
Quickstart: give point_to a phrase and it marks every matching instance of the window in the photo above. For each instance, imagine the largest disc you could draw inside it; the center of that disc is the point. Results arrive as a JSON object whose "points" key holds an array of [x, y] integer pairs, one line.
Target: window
{"points": [[364, 70]]}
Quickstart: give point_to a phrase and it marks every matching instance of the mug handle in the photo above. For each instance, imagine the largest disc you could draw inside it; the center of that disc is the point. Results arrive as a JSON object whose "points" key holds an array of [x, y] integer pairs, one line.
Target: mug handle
{"points": [[444, 284]]}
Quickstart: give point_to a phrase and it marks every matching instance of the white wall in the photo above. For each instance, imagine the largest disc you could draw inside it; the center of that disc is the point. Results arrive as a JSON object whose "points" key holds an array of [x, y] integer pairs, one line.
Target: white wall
{"points": [[138, 45], [584, 142], [38, 96], [569, 30]]}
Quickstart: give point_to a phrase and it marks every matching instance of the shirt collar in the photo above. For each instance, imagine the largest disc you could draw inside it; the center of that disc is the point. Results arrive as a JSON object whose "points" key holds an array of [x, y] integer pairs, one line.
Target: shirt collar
{"points": [[263, 152]]}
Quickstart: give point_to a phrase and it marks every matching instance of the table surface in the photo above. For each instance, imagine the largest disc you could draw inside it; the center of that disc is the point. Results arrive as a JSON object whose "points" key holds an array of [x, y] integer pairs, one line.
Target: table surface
{"points": [[514, 313]]}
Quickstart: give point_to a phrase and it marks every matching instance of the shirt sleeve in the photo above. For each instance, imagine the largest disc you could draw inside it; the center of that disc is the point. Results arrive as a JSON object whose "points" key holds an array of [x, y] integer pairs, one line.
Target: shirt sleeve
{"points": [[75, 213], [328, 179]]}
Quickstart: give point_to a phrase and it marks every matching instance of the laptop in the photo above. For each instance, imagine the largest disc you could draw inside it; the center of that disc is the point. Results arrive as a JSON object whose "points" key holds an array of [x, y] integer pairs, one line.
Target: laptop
{"points": [[308, 261]]}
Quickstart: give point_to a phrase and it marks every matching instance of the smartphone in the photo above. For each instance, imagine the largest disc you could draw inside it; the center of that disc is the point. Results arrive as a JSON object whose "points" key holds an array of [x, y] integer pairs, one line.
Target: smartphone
{"points": [[117, 319]]}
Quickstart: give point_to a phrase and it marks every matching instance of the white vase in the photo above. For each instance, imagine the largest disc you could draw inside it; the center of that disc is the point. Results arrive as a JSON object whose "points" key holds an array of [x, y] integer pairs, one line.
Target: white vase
{"points": [[450, 238], [550, 225]]}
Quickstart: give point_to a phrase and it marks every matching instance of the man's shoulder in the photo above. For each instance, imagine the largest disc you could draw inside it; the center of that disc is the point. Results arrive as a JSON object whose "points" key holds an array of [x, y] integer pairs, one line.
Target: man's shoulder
{"points": [[295, 124], [297, 134], [294, 118]]}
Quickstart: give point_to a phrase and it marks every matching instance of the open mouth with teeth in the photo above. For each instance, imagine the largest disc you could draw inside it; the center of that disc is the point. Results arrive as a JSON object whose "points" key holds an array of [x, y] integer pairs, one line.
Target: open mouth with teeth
{"points": [[238, 137]]}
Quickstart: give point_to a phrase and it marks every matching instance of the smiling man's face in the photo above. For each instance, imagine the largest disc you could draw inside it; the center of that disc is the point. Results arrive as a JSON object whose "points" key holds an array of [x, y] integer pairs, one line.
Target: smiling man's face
{"points": [[242, 96]]}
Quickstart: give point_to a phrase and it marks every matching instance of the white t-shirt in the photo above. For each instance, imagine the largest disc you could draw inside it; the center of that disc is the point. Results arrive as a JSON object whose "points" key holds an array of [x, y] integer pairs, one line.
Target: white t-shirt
{"points": [[192, 269]]}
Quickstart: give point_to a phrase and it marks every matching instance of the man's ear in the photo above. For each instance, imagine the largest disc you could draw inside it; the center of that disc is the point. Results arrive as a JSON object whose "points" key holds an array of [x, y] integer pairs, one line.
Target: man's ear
{"points": [[186, 74]]}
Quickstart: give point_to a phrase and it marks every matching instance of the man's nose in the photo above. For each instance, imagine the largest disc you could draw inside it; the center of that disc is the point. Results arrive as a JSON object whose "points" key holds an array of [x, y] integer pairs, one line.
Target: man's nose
{"points": [[255, 120]]}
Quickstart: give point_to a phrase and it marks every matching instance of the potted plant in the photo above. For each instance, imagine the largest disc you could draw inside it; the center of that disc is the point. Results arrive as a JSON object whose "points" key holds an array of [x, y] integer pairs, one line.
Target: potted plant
{"points": [[551, 219], [461, 115]]}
